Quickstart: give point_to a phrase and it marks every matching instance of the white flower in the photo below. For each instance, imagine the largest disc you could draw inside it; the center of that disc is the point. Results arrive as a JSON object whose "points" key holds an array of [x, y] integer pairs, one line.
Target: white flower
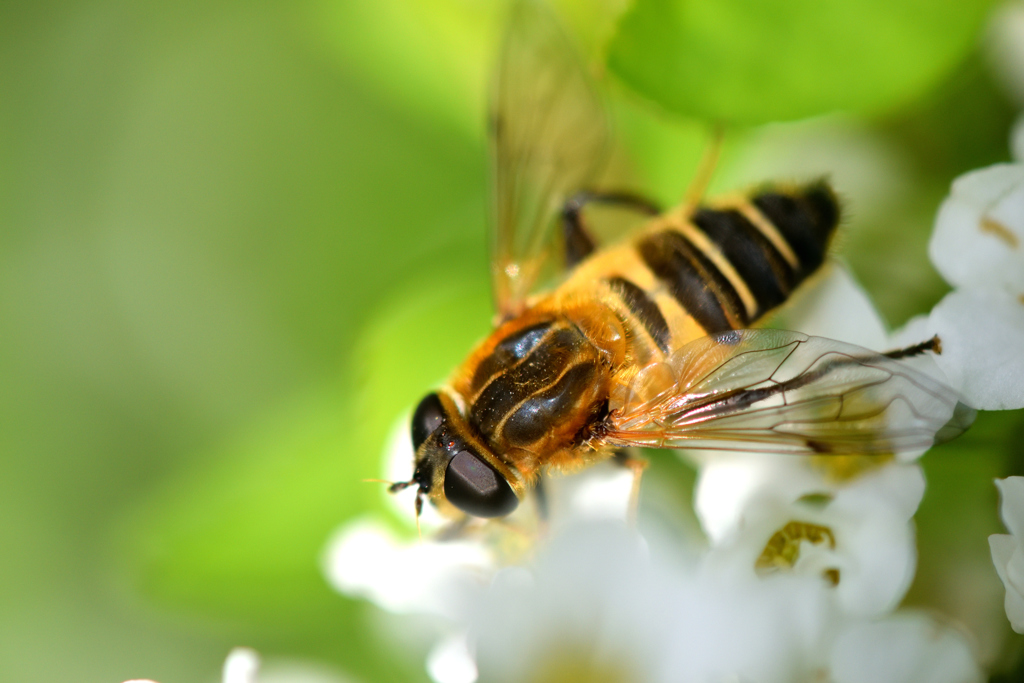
{"points": [[978, 247], [1006, 549], [979, 230], [366, 560], [846, 520], [780, 515], [982, 332]]}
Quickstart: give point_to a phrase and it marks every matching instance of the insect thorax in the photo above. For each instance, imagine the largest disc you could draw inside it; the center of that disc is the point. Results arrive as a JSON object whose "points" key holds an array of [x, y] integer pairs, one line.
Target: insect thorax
{"points": [[535, 386]]}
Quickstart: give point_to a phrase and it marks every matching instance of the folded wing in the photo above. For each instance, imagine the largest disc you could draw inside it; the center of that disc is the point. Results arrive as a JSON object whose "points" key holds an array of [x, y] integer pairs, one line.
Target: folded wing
{"points": [[548, 134], [778, 391]]}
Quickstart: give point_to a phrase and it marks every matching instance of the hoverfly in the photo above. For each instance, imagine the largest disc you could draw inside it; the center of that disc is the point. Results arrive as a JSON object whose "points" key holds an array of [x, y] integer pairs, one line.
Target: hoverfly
{"points": [[646, 342]]}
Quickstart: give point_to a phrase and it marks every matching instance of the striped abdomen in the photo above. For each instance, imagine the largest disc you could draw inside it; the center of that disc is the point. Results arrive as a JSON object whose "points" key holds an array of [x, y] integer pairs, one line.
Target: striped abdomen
{"points": [[713, 270]]}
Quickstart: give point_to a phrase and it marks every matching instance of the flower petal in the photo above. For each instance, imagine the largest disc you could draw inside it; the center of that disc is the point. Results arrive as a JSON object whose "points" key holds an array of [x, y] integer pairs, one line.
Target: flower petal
{"points": [[1011, 493], [836, 307], [876, 563], [601, 491], [979, 232], [364, 559], [727, 482], [871, 554], [591, 601], [730, 629], [1003, 547], [904, 648], [982, 334]]}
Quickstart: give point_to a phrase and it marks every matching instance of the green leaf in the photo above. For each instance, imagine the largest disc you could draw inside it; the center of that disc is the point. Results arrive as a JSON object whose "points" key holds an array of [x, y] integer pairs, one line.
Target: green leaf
{"points": [[432, 57], [748, 62], [237, 542], [436, 57]]}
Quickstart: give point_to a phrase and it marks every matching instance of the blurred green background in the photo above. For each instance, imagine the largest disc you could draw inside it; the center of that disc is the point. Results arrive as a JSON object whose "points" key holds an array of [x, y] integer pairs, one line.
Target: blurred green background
{"points": [[238, 239]]}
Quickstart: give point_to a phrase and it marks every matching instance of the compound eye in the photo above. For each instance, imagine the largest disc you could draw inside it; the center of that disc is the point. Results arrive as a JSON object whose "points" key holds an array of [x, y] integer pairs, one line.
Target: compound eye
{"points": [[475, 487], [428, 417]]}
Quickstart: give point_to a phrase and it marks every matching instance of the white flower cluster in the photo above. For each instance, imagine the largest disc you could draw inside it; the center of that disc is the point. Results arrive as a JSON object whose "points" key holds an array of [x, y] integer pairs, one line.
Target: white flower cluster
{"points": [[598, 602], [800, 582], [806, 564]]}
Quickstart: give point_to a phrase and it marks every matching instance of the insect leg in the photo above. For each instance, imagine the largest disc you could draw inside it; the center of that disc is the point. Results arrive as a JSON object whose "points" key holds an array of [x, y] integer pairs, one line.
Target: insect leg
{"points": [[578, 242], [627, 457], [934, 344]]}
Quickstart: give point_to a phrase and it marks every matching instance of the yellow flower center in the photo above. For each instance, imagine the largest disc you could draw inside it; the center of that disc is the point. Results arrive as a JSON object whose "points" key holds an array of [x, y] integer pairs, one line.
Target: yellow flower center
{"points": [[783, 549]]}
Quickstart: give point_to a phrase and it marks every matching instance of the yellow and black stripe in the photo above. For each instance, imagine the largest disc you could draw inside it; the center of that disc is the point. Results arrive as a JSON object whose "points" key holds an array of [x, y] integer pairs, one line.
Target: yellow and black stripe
{"points": [[730, 265], [643, 308]]}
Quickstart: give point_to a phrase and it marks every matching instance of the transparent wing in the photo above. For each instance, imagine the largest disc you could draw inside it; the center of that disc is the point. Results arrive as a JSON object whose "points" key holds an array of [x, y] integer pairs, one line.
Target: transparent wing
{"points": [[548, 136], [777, 391]]}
